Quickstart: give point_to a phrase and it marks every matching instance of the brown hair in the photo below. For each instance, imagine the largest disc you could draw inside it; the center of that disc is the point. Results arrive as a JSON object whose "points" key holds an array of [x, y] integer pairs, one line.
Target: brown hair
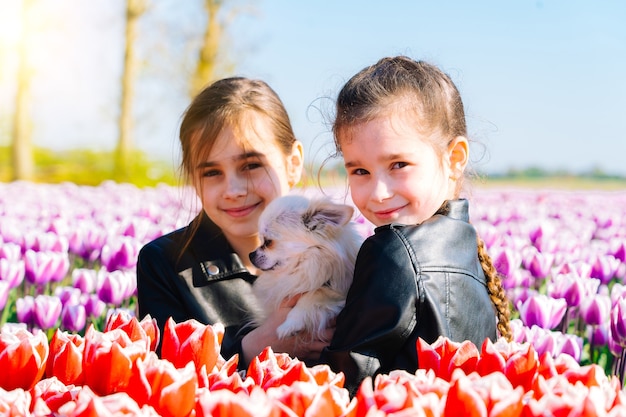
{"points": [[401, 83], [228, 102]]}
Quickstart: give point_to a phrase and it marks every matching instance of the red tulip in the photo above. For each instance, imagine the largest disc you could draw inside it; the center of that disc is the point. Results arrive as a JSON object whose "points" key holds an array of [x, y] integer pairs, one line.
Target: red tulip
{"points": [[226, 403], [23, 357], [444, 355], [521, 367], [88, 404], [108, 359], [494, 390], [15, 402], [146, 329], [268, 367], [192, 341], [170, 391], [54, 393], [66, 358]]}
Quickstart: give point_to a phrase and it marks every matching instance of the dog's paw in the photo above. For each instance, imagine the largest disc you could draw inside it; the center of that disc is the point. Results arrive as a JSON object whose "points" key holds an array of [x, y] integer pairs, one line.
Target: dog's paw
{"points": [[288, 328]]}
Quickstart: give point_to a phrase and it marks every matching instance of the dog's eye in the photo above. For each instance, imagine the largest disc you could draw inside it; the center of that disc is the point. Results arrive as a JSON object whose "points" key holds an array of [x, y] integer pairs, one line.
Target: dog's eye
{"points": [[268, 243]]}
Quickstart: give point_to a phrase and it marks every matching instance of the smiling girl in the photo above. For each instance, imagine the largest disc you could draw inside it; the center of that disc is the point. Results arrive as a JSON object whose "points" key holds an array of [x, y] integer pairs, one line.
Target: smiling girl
{"points": [[400, 127], [239, 152]]}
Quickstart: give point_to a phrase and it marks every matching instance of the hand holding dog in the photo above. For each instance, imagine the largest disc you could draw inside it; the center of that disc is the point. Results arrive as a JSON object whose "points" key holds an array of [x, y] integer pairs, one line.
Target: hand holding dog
{"points": [[265, 335]]}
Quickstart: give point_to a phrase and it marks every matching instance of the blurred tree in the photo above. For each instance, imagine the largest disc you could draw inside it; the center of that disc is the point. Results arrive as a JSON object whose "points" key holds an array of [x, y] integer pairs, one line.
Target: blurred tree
{"points": [[211, 62], [21, 141], [125, 145]]}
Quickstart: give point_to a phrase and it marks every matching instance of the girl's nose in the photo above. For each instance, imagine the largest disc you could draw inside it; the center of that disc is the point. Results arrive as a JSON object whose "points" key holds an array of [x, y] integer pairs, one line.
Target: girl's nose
{"points": [[236, 186], [381, 190]]}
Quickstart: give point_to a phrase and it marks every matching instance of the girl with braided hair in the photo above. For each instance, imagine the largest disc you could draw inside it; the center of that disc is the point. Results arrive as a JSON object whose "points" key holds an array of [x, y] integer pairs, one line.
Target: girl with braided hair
{"points": [[400, 128]]}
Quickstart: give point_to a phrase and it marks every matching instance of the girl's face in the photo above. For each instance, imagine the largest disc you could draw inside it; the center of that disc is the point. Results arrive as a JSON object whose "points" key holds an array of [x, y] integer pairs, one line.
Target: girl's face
{"points": [[394, 172], [245, 170]]}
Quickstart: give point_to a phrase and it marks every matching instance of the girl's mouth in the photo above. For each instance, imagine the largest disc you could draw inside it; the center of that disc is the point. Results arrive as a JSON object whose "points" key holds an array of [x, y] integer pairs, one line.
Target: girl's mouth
{"points": [[241, 211]]}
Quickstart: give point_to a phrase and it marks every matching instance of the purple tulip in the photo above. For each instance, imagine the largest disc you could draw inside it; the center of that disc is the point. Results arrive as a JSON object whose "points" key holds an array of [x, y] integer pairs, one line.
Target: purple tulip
{"points": [[10, 251], [543, 311], [518, 330], [615, 349], [618, 322], [113, 288], [120, 253], [4, 294], [619, 249], [595, 310], [73, 317], [539, 264], [12, 272], [507, 261], [572, 288], [569, 344], [47, 311], [46, 242], [543, 340], [25, 309], [68, 295], [598, 335], [44, 267], [604, 267], [94, 306], [87, 241], [85, 279]]}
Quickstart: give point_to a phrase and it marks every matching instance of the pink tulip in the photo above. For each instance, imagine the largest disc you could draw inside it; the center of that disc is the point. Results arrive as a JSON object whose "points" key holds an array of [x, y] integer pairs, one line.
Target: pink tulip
{"points": [[85, 279], [569, 344], [595, 310], [113, 288], [25, 309], [539, 264], [12, 272], [45, 267], [4, 294], [507, 261], [47, 310], [94, 306], [73, 317], [119, 253], [604, 267], [543, 311], [10, 251], [618, 322]]}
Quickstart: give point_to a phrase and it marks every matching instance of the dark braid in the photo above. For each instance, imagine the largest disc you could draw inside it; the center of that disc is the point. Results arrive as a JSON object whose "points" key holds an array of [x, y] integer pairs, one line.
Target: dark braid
{"points": [[496, 291]]}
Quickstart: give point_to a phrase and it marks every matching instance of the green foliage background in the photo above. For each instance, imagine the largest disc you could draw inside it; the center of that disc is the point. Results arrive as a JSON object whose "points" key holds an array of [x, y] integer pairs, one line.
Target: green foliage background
{"points": [[91, 167]]}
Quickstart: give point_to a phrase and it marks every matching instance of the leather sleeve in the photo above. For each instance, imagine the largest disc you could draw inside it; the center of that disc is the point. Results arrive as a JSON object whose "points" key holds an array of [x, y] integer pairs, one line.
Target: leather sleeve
{"points": [[163, 294], [157, 292], [380, 311]]}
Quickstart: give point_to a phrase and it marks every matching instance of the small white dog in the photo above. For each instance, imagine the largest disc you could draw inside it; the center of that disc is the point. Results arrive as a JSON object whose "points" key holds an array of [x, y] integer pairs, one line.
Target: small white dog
{"points": [[309, 247]]}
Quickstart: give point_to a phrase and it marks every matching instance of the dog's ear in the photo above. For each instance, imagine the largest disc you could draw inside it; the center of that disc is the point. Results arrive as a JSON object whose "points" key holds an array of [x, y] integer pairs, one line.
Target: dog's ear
{"points": [[327, 214]]}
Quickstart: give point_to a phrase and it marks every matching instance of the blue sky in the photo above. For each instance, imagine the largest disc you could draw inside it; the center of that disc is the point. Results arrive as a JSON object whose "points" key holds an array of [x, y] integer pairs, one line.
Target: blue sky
{"points": [[544, 82]]}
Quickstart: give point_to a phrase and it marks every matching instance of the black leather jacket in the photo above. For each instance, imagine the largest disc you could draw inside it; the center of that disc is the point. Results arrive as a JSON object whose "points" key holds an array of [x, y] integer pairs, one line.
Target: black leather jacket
{"points": [[409, 282], [208, 282]]}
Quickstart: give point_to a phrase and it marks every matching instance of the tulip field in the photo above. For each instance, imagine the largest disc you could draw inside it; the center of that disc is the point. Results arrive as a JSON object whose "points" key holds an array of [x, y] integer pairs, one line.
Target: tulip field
{"points": [[71, 345]]}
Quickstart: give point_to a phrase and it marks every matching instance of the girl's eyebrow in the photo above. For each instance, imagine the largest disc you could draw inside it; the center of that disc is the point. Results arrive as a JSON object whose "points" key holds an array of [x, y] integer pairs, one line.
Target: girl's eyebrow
{"points": [[382, 158], [240, 157]]}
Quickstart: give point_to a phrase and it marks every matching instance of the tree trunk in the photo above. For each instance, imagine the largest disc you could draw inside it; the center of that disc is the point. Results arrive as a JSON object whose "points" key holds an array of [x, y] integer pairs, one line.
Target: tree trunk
{"points": [[21, 145], [125, 145], [207, 58]]}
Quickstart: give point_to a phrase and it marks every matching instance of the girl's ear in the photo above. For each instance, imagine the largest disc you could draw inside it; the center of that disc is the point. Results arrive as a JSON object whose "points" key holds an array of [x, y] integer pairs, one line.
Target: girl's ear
{"points": [[295, 163], [458, 155]]}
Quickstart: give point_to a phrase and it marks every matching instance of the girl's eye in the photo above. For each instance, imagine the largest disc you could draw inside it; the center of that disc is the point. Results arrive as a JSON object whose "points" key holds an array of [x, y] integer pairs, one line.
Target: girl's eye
{"points": [[252, 165], [211, 173], [399, 165], [359, 171]]}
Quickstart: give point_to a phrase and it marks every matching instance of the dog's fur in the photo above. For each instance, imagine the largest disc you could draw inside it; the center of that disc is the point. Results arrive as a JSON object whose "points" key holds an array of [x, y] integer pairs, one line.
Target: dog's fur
{"points": [[309, 247]]}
